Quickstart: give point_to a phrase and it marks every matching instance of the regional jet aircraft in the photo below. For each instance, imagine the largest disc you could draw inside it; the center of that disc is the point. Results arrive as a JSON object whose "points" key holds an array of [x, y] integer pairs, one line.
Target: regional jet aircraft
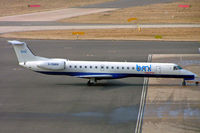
{"points": [[96, 70]]}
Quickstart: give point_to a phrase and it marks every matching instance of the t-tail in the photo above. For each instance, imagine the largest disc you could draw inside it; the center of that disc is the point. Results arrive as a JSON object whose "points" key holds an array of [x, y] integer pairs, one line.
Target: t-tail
{"points": [[23, 53]]}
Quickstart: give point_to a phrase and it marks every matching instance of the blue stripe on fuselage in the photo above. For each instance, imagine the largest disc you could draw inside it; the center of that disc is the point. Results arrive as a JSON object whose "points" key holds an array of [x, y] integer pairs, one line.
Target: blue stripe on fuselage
{"points": [[118, 75]]}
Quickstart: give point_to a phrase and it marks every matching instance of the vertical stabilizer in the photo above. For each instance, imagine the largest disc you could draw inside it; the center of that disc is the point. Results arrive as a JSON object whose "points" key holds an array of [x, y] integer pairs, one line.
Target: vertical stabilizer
{"points": [[22, 51]]}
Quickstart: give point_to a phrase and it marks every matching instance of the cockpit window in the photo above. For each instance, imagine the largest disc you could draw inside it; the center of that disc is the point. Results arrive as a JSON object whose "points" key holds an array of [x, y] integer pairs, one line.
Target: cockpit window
{"points": [[180, 67], [177, 68]]}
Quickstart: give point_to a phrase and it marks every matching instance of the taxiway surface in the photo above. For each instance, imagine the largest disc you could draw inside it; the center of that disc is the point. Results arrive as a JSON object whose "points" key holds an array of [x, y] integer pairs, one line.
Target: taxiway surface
{"points": [[31, 102], [126, 3]]}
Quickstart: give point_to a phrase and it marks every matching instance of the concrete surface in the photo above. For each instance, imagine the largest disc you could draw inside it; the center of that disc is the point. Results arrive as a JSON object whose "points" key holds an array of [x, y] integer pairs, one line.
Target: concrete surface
{"points": [[55, 14], [7, 29], [171, 107], [56, 23]]}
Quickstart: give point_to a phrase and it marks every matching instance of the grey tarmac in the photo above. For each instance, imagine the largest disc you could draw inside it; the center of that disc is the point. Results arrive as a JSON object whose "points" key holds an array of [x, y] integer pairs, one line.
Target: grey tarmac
{"points": [[31, 102], [126, 3]]}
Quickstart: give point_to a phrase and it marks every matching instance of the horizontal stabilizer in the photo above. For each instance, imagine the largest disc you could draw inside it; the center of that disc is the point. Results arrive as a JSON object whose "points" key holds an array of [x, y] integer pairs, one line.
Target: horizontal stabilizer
{"points": [[23, 53], [94, 76], [15, 42]]}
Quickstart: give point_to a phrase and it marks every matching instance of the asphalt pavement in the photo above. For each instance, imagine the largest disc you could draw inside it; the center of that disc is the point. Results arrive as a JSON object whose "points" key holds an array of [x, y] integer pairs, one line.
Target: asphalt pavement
{"points": [[126, 3], [32, 102]]}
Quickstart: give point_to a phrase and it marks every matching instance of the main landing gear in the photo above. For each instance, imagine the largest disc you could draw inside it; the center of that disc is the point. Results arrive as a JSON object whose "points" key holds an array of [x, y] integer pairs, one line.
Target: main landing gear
{"points": [[92, 81]]}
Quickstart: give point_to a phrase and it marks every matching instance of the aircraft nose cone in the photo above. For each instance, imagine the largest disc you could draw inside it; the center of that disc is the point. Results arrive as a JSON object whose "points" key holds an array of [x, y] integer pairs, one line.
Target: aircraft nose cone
{"points": [[195, 75], [190, 74]]}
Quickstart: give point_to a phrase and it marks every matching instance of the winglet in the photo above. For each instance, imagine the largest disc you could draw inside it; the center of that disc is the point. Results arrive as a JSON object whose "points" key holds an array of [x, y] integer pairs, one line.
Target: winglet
{"points": [[15, 42]]}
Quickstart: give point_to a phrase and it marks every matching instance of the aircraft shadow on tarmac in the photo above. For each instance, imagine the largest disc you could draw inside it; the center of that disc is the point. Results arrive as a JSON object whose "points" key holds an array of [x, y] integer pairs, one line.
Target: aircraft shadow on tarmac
{"points": [[108, 84], [105, 83]]}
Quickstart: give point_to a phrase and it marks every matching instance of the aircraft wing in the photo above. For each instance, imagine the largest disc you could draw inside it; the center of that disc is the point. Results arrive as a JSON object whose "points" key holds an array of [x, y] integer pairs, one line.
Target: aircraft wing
{"points": [[94, 76]]}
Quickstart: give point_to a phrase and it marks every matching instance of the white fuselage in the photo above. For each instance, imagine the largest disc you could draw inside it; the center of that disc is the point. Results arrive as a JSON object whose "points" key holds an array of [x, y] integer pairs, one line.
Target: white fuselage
{"points": [[96, 70], [107, 70]]}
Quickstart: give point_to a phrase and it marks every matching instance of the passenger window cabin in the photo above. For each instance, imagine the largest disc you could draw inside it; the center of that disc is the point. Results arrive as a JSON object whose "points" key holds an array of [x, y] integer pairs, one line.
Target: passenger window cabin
{"points": [[112, 67]]}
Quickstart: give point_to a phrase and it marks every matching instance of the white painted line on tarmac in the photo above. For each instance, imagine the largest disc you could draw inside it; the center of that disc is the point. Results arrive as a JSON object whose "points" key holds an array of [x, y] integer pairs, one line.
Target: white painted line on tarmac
{"points": [[55, 14], [142, 102]]}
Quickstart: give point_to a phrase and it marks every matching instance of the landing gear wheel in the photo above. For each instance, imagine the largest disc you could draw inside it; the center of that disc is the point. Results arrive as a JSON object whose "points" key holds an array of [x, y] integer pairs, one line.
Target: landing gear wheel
{"points": [[197, 83], [92, 81], [89, 83], [184, 83]]}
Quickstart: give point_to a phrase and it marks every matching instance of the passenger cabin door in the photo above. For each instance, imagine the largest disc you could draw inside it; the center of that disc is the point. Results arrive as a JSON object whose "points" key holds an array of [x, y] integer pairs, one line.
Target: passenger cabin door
{"points": [[158, 69]]}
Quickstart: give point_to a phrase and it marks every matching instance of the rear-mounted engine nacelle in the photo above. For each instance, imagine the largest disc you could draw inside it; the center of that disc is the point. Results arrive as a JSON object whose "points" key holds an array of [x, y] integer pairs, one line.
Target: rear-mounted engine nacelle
{"points": [[51, 65]]}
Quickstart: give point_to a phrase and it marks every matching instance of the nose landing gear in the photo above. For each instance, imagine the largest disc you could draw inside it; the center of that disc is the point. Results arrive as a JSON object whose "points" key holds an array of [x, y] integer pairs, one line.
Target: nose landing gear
{"points": [[184, 83], [196, 82]]}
